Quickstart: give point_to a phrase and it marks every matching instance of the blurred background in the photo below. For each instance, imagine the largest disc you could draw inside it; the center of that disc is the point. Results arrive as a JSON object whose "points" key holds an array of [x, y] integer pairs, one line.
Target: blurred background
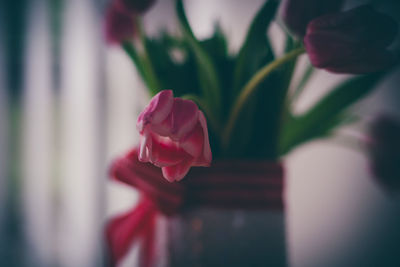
{"points": [[68, 106]]}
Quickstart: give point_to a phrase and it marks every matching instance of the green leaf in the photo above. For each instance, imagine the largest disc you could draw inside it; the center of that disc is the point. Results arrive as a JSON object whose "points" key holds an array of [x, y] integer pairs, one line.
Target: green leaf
{"points": [[327, 114], [139, 63], [207, 73], [251, 134], [180, 76], [256, 50], [216, 47], [309, 71]]}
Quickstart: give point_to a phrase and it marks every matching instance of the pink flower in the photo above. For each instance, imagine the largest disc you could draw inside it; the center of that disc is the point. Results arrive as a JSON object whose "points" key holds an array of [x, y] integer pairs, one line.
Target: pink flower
{"points": [[355, 41], [174, 135], [298, 13], [119, 26]]}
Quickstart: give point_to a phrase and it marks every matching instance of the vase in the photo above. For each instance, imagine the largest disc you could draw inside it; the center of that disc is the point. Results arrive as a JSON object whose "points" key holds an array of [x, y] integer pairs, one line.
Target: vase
{"points": [[228, 214], [228, 231]]}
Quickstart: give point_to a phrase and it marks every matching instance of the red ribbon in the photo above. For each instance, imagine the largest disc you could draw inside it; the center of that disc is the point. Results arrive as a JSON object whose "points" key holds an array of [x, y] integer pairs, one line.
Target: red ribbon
{"points": [[227, 185]]}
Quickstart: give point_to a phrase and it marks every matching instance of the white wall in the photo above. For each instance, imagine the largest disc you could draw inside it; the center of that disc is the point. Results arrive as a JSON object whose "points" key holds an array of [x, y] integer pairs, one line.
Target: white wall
{"points": [[81, 163], [38, 139]]}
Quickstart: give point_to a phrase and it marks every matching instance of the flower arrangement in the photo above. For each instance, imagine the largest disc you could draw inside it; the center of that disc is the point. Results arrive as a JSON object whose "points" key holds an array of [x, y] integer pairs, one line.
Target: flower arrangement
{"points": [[238, 106]]}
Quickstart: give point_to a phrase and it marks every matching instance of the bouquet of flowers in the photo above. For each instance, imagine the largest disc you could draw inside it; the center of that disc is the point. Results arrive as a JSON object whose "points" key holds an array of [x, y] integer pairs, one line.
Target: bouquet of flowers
{"points": [[208, 102]]}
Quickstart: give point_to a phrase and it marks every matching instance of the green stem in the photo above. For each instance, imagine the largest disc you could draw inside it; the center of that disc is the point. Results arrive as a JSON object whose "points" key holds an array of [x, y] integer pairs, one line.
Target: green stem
{"points": [[207, 72], [284, 111], [250, 88], [132, 53], [140, 65], [305, 78], [152, 80]]}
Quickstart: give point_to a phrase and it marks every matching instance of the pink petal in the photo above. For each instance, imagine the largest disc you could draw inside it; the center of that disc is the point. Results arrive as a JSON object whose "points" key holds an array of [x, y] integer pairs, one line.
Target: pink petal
{"points": [[166, 152], [184, 118], [193, 143], [206, 158], [157, 110], [145, 147], [178, 171], [163, 128]]}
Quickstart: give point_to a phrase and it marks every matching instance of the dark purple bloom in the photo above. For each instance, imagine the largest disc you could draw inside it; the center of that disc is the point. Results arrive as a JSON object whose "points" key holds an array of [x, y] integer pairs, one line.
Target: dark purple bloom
{"points": [[119, 26], [355, 41], [384, 150], [136, 7], [298, 13]]}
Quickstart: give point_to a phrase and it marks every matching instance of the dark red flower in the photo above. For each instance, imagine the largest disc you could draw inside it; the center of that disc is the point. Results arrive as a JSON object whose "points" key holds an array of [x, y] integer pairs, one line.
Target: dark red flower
{"points": [[355, 41], [119, 26], [136, 7], [384, 150], [298, 13]]}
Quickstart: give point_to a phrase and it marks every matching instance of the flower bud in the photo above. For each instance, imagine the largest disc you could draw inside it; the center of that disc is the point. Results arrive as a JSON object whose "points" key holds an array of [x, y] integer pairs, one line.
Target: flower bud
{"points": [[298, 13], [119, 26], [354, 42], [384, 151], [174, 135]]}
